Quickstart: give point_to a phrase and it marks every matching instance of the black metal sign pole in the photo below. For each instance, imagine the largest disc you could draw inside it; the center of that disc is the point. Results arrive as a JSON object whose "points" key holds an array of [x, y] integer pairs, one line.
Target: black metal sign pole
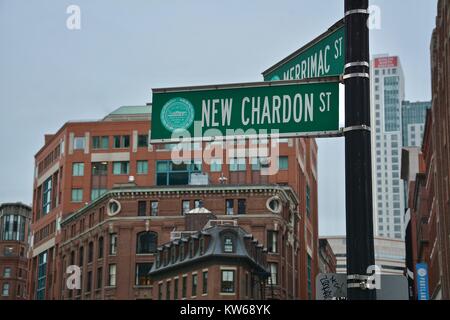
{"points": [[360, 242]]}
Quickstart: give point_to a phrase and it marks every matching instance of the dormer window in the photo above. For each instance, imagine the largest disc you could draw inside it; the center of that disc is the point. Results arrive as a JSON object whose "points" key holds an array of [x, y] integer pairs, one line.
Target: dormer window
{"points": [[173, 253], [191, 248], [166, 257], [158, 260], [228, 244], [202, 245], [182, 252]]}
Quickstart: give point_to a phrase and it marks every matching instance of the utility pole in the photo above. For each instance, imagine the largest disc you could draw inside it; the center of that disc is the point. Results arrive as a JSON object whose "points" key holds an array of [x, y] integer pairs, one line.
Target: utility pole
{"points": [[358, 164]]}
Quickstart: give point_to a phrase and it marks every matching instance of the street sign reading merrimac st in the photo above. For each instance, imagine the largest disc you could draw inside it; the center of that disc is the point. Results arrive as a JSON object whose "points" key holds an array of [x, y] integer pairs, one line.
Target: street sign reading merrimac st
{"points": [[324, 56], [288, 108]]}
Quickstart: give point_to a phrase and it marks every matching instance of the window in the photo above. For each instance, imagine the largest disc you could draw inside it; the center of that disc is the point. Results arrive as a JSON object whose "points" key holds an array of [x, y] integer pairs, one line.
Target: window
{"points": [[191, 248], [146, 242], [237, 164], [175, 289], [8, 251], [309, 272], [169, 173], [99, 277], [202, 245], [283, 163], [90, 252], [121, 168], [142, 167], [89, 282], [228, 246], [121, 142], [272, 241], [273, 273], [112, 275], [113, 244], [181, 252], [142, 141], [42, 276], [194, 285], [13, 227], [216, 165], [227, 283], [242, 206], [142, 274], [78, 169], [79, 143], [97, 193], [160, 291], [308, 201], [186, 206], [81, 257], [142, 208], [168, 284], [198, 204], [229, 206], [205, 282], [100, 247], [100, 142], [77, 195], [184, 287], [7, 272], [154, 208], [5, 290], [47, 196], [99, 168]]}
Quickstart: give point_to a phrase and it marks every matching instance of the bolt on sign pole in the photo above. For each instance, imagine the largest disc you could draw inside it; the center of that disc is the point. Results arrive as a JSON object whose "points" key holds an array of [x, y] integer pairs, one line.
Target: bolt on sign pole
{"points": [[358, 165]]}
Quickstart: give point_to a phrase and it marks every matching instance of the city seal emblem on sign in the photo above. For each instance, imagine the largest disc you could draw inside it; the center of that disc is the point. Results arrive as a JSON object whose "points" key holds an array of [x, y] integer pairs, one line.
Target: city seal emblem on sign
{"points": [[177, 114]]}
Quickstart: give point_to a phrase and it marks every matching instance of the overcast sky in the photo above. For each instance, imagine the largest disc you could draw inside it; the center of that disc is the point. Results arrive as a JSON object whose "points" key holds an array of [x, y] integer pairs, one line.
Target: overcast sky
{"points": [[50, 74]]}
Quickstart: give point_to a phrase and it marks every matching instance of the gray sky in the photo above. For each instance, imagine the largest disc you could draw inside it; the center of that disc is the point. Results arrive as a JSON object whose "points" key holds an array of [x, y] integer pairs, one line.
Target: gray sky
{"points": [[49, 74]]}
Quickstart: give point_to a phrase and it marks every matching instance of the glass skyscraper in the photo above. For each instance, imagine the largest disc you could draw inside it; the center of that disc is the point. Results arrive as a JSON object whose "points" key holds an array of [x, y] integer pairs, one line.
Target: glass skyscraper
{"points": [[413, 122]]}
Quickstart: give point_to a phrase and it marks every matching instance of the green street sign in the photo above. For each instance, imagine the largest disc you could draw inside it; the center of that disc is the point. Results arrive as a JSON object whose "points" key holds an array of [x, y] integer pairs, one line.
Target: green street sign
{"points": [[281, 108], [322, 57]]}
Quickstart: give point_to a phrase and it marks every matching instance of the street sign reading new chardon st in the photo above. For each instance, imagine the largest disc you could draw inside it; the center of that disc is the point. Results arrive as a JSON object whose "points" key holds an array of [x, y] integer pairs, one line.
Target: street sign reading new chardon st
{"points": [[281, 108], [324, 56]]}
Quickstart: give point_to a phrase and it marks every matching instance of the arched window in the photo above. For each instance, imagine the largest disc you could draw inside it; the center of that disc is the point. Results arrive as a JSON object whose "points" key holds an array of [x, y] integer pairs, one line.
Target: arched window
{"points": [[90, 252], [146, 242]]}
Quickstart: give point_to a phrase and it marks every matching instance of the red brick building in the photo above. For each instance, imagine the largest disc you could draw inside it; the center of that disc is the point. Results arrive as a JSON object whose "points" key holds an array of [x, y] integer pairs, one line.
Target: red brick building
{"points": [[429, 195], [327, 258], [15, 219], [115, 239], [219, 262], [440, 63], [83, 160]]}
